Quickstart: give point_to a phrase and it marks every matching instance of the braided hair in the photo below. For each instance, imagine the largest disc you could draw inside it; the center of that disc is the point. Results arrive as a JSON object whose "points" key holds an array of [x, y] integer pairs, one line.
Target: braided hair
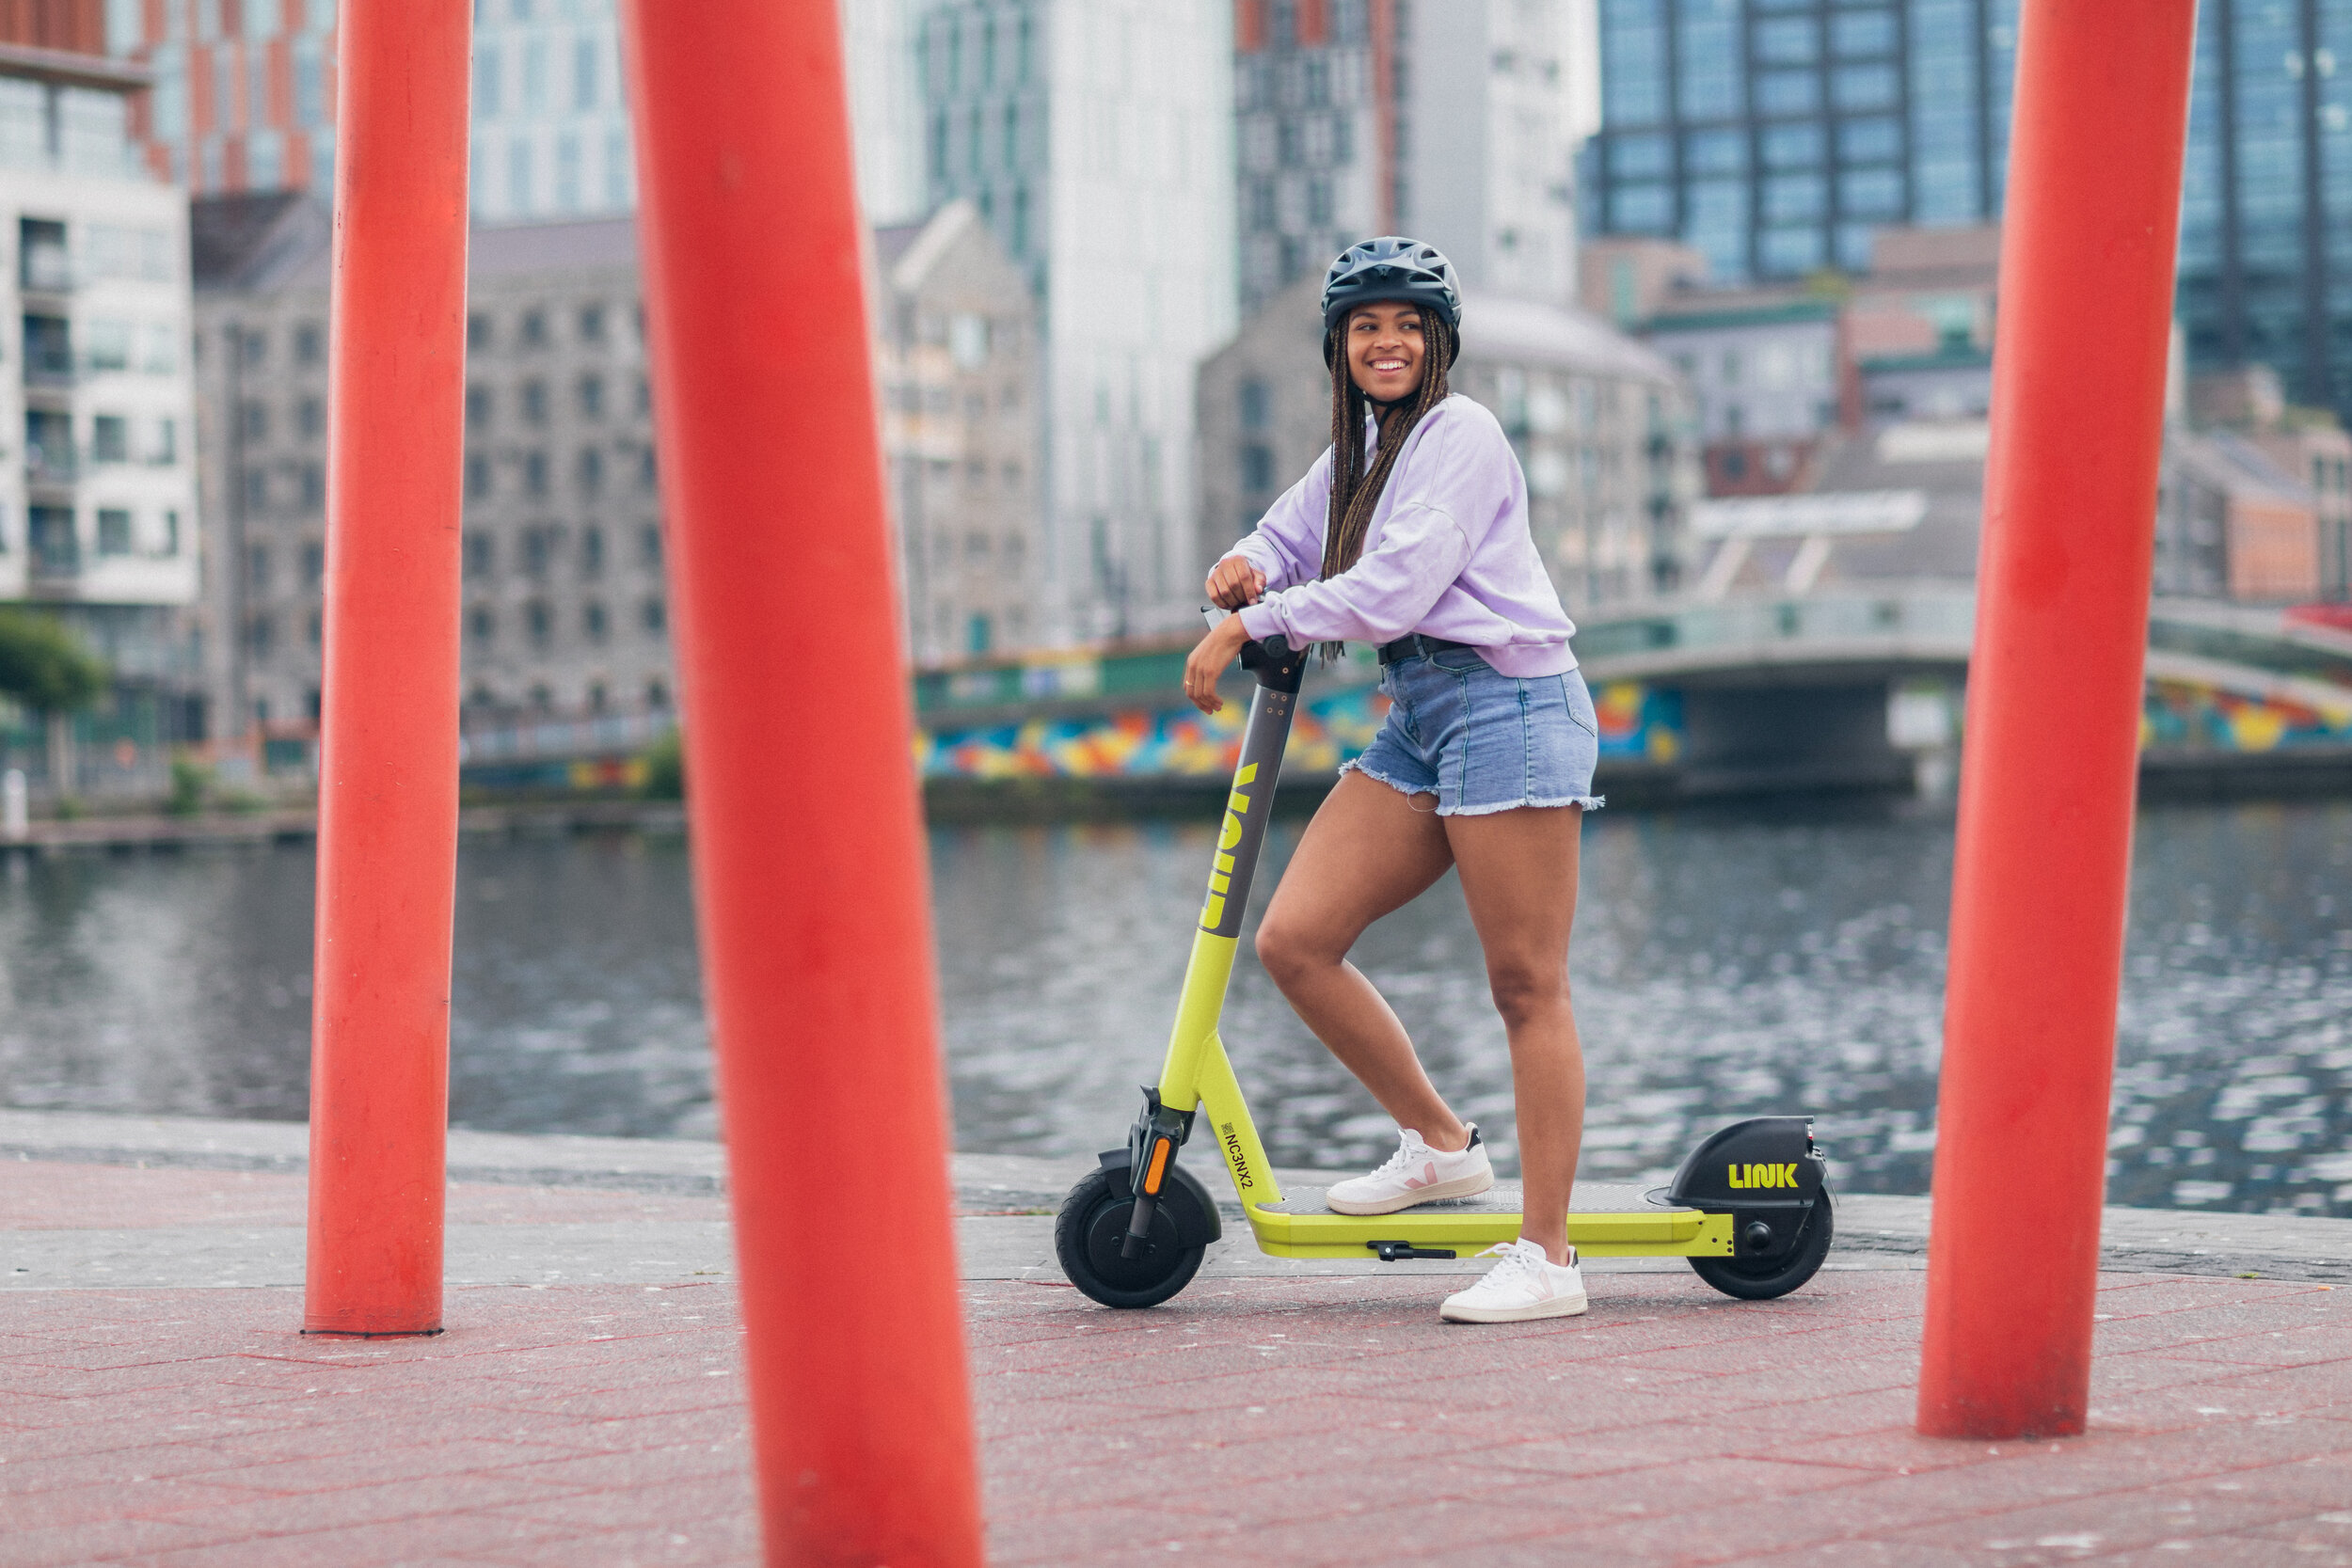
{"points": [[1355, 492]]}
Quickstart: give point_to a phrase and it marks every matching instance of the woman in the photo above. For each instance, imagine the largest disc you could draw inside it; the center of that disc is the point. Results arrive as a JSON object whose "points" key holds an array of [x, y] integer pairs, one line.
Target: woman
{"points": [[1411, 533]]}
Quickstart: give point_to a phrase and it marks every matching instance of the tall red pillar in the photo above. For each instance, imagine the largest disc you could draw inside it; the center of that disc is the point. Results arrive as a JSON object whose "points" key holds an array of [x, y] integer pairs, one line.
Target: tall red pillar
{"points": [[2054, 704], [810, 879], [387, 758]]}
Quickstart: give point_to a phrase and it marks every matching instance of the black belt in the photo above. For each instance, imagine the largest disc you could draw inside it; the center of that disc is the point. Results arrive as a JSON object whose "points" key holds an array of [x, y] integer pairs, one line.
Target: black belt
{"points": [[1415, 645]]}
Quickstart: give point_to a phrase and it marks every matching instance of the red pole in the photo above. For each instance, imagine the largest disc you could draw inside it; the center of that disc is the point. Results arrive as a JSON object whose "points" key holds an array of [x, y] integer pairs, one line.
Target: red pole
{"points": [[809, 871], [387, 759], [2054, 701]]}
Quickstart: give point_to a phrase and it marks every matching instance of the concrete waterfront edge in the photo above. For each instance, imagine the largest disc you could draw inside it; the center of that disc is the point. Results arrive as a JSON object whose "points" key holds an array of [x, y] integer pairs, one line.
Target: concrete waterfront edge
{"points": [[1887, 1228]]}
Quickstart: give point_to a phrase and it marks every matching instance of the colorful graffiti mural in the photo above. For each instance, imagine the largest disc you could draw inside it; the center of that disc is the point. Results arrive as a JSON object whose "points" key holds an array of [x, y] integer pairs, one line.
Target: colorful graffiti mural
{"points": [[1637, 724], [2192, 716]]}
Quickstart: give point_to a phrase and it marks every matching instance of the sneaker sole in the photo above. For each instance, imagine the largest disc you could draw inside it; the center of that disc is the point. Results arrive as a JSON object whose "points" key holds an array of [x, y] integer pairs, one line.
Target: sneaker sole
{"points": [[1461, 1186], [1559, 1307]]}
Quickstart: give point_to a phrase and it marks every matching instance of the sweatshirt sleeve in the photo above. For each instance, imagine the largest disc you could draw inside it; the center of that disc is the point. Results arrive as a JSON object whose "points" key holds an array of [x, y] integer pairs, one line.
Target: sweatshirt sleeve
{"points": [[1441, 491], [1287, 543]]}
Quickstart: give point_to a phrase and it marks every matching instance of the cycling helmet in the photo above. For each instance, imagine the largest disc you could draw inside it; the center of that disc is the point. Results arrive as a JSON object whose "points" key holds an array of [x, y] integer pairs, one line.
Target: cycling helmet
{"points": [[1391, 268]]}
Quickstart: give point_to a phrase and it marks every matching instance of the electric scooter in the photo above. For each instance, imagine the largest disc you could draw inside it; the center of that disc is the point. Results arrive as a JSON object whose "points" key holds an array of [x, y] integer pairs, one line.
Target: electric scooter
{"points": [[1749, 1208]]}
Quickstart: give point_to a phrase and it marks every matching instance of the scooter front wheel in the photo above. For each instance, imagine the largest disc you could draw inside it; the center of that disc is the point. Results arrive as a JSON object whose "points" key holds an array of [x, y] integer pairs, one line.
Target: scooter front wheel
{"points": [[1092, 1230], [1762, 1279]]}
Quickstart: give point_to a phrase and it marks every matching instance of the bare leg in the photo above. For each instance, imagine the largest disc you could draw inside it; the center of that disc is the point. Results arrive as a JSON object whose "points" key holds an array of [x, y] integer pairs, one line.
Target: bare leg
{"points": [[1519, 876], [1369, 850]]}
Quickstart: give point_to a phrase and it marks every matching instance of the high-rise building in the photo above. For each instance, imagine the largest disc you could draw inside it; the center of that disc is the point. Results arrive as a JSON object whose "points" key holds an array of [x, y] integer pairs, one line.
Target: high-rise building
{"points": [[885, 116], [98, 514], [245, 100], [1456, 122], [1776, 135], [1094, 137], [244, 95]]}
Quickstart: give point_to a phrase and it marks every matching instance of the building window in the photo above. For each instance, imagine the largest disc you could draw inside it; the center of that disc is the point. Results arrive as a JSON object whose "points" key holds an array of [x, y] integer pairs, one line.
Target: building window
{"points": [[477, 476], [534, 329], [649, 545], [482, 624], [253, 420], [314, 481], [1257, 468], [477, 331], [538, 550], [313, 562], [593, 619], [1257, 405], [536, 401], [309, 344], [477, 407], [256, 490], [592, 551], [654, 616], [535, 473], [478, 554], [311, 417], [110, 439], [540, 622], [113, 530], [590, 469], [658, 691]]}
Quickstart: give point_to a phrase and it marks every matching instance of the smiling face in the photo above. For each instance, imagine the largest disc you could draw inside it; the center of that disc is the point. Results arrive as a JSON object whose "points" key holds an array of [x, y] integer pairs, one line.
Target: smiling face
{"points": [[1386, 350]]}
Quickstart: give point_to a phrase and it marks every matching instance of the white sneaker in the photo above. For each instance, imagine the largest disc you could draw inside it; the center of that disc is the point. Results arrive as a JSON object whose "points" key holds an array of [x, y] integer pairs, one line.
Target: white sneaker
{"points": [[1524, 1285], [1416, 1173]]}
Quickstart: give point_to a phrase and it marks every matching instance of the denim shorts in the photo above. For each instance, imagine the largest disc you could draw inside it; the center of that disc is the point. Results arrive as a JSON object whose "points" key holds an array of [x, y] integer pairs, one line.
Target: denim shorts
{"points": [[1482, 741]]}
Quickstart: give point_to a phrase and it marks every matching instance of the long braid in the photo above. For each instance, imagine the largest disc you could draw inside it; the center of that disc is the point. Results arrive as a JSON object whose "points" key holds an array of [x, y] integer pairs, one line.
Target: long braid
{"points": [[1356, 494]]}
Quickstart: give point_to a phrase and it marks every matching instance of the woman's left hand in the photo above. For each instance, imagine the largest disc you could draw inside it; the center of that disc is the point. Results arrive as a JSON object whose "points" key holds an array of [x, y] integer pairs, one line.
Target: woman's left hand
{"points": [[1209, 660]]}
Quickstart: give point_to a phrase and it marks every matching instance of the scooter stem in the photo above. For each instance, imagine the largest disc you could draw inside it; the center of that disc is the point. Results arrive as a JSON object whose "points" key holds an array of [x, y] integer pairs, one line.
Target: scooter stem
{"points": [[1167, 1111]]}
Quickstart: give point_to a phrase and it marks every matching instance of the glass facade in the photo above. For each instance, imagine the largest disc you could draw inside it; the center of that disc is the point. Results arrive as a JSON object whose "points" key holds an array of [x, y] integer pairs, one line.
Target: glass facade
{"points": [[1774, 136], [2266, 213]]}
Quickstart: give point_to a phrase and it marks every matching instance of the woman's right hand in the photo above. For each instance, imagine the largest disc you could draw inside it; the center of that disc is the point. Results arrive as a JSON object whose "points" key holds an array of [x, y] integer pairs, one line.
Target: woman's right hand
{"points": [[1235, 583]]}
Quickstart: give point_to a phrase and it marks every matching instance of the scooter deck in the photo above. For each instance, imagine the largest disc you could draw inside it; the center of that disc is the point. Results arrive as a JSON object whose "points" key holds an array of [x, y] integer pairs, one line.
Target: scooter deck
{"points": [[1605, 1220]]}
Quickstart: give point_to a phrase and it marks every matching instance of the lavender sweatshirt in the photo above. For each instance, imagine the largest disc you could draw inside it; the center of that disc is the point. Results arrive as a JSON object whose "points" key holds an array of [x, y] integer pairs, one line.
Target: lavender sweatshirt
{"points": [[1448, 554]]}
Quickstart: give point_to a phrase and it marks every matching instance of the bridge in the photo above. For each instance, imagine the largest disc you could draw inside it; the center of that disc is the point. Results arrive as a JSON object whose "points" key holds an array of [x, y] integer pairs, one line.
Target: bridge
{"points": [[1855, 686]]}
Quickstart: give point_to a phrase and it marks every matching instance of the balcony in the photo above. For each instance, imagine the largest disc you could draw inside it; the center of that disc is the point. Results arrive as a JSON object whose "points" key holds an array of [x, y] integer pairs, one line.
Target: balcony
{"points": [[52, 464], [43, 269]]}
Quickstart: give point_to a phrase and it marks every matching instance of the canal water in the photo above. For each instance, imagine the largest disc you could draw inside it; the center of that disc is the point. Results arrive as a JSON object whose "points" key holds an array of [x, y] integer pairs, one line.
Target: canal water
{"points": [[1728, 962]]}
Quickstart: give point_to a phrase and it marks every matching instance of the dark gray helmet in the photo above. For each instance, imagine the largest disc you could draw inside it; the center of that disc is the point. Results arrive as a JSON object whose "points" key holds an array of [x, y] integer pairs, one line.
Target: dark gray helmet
{"points": [[1391, 268]]}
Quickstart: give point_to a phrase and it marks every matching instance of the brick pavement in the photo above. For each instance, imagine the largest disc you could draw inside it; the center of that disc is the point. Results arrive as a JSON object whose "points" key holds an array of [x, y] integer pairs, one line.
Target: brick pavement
{"points": [[1275, 1421]]}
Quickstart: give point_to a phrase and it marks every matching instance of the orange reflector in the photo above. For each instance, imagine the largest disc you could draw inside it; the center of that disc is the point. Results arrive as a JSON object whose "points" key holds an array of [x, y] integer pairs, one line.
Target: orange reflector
{"points": [[1159, 1168]]}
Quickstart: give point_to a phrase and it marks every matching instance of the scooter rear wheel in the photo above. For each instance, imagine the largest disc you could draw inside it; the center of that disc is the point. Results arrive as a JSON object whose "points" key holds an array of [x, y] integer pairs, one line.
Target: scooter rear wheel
{"points": [[1762, 1279], [1092, 1229]]}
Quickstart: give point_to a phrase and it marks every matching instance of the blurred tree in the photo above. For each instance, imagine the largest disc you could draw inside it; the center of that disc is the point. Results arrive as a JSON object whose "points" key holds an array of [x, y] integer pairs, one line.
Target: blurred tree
{"points": [[45, 667]]}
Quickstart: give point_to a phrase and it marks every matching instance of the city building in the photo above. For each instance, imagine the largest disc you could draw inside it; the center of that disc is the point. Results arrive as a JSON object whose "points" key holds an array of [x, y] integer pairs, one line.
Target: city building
{"points": [[956, 365], [885, 113], [1094, 137], [1773, 137], [2232, 524], [98, 515], [1455, 122], [1776, 135], [2268, 458], [1776, 366], [245, 100], [1602, 426], [244, 95], [566, 613]]}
